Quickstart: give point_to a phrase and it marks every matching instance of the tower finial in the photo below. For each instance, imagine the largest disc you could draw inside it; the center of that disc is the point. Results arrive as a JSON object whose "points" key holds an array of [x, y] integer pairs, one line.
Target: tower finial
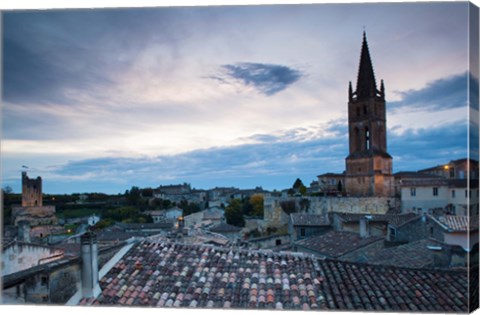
{"points": [[366, 85]]}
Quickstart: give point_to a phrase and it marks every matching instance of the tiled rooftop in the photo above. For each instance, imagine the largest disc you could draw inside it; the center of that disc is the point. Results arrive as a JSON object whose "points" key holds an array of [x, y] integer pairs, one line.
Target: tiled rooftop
{"points": [[123, 231], [224, 228], [307, 219], [394, 219], [336, 243], [165, 274], [459, 223], [411, 255]]}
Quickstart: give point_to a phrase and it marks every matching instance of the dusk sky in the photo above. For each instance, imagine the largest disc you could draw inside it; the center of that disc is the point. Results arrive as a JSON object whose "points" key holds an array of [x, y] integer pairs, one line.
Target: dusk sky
{"points": [[100, 100]]}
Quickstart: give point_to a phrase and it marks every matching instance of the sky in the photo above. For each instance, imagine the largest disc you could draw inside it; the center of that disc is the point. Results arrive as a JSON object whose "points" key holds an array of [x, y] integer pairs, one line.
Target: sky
{"points": [[100, 100]]}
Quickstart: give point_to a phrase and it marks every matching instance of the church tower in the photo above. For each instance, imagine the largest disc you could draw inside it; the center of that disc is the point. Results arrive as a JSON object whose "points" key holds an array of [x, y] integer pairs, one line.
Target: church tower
{"points": [[368, 166]]}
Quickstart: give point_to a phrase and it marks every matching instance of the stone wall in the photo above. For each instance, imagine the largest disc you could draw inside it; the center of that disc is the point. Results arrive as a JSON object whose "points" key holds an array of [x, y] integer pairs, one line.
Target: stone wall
{"points": [[44, 215], [269, 241], [321, 205], [372, 205]]}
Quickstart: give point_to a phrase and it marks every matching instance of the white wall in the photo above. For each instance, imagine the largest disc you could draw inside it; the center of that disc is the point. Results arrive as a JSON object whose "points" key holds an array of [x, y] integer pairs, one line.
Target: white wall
{"points": [[23, 256], [425, 199], [461, 238]]}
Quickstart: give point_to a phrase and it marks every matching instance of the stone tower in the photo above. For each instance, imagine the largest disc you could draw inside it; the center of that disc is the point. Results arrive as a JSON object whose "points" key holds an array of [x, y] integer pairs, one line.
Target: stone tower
{"points": [[368, 166], [31, 191]]}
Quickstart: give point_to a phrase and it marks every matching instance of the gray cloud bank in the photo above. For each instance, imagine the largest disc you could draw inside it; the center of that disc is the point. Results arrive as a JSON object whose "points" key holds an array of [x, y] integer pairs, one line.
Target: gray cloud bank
{"points": [[268, 79]]}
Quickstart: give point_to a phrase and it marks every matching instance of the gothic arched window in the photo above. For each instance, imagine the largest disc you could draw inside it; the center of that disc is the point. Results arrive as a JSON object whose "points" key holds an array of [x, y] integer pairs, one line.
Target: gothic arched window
{"points": [[367, 139]]}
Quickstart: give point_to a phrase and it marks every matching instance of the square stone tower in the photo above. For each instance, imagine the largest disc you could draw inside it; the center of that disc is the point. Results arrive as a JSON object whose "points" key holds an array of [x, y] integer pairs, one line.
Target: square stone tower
{"points": [[31, 191]]}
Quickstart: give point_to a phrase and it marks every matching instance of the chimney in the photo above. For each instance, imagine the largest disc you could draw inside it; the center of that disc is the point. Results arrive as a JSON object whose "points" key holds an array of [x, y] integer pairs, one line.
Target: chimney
{"points": [[23, 231], [90, 286], [364, 227]]}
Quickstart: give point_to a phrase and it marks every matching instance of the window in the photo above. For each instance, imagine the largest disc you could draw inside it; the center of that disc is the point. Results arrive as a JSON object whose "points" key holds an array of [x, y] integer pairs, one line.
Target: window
{"points": [[435, 191], [358, 111], [453, 193], [413, 192], [367, 139], [44, 280], [278, 242], [302, 232], [452, 172], [365, 111], [431, 231], [392, 233]]}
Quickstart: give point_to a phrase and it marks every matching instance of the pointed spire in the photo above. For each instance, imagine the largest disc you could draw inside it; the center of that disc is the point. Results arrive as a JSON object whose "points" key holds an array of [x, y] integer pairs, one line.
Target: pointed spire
{"points": [[366, 85], [382, 89], [350, 91]]}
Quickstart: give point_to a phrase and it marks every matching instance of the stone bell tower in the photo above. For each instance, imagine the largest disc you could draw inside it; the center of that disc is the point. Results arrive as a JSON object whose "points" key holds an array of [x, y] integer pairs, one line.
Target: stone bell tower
{"points": [[368, 166]]}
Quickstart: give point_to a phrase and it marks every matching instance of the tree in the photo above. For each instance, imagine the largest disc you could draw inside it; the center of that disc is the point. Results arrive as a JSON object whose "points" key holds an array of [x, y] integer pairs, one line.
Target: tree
{"points": [[188, 208], [133, 196], [299, 187], [304, 204], [302, 190], [6, 203], [147, 192], [288, 206], [256, 201], [247, 207], [234, 213]]}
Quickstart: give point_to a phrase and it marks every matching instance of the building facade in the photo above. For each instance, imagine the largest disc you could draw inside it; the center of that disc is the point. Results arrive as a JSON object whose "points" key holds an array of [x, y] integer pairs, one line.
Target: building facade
{"points": [[368, 165]]}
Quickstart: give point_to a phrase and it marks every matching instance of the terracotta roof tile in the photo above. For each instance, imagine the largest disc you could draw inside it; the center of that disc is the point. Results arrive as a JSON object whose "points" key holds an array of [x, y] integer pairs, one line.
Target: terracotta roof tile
{"points": [[393, 219], [335, 243], [459, 223], [312, 283]]}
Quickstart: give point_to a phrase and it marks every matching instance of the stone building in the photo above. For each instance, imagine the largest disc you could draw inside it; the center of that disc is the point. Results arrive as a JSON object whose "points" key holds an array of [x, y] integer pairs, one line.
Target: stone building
{"points": [[455, 169], [303, 225], [437, 194], [41, 219], [368, 165]]}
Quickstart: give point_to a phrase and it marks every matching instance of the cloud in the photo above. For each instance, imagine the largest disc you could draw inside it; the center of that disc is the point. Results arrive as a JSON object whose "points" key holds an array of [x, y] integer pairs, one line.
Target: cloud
{"points": [[271, 161], [268, 79], [420, 148], [441, 94]]}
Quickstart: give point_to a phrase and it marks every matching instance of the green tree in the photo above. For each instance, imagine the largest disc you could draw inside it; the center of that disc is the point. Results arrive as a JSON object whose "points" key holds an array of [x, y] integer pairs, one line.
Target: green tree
{"points": [[133, 196], [339, 186], [7, 193], [188, 208], [257, 204], [302, 190], [234, 213], [147, 192], [247, 207], [298, 183], [299, 187]]}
